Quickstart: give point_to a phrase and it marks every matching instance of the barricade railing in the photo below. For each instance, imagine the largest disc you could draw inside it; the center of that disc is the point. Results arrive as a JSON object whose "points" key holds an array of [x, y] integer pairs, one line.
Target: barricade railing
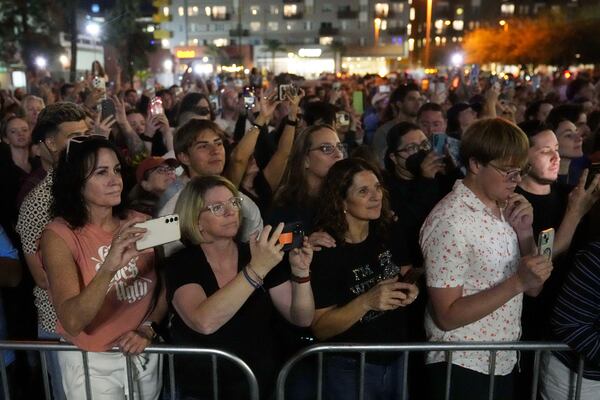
{"points": [[45, 346], [493, 347]]}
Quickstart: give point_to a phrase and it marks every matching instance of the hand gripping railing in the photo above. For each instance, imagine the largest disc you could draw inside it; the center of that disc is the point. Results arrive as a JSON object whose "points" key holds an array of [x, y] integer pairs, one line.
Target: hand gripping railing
{"points": [[448, 348], [45, 346]]}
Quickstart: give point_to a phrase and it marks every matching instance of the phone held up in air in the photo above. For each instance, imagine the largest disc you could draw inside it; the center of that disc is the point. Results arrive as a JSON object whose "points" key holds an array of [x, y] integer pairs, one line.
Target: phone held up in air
{"points": [[546, 243], [156, 106], [292, 236], [106, 108], [159, 231]]}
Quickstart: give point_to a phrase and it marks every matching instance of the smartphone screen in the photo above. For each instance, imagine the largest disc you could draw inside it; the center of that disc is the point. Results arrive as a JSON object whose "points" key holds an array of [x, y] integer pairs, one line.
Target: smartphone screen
{"points": [[358, 101]]}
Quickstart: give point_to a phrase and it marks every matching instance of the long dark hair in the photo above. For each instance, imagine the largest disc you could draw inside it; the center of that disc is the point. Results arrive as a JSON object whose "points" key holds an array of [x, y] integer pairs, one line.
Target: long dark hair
{"points": [[75, 166], [394, 137], [330, 208], [189, 103], [294, 185]]}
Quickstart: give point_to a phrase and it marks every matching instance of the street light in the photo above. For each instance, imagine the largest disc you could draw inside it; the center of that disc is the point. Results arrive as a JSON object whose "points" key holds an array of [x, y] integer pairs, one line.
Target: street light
{"points": [[503, 24], [377, 23], [41, 62], [168, 65], [93, 28], [457, 59]]}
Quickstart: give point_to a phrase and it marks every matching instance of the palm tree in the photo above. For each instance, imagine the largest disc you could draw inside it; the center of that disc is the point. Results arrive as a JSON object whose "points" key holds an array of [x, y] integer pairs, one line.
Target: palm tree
{"points": [[273, 46]]}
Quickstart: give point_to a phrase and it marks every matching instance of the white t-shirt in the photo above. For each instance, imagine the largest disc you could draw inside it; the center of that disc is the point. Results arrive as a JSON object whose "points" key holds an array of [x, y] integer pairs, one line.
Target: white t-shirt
{"points": [[465, 244]]}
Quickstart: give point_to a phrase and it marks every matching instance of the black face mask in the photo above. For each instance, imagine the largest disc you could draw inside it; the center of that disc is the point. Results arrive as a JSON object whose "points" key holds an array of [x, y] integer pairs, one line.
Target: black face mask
{"points": [[414, 161], [202, 111]]}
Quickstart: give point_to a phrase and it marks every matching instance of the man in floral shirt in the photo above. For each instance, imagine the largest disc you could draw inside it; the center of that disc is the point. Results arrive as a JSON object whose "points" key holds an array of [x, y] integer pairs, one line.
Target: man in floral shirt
{"points": [[480, 257]]}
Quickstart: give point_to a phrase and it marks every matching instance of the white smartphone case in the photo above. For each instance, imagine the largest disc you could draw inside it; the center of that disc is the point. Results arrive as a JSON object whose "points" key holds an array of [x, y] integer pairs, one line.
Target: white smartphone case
{"points": [[160, 230]]}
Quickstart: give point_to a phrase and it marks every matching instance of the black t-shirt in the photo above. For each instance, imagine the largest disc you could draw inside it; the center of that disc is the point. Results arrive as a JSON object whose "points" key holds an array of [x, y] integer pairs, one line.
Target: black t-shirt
{"points": [[342, 273], [548, 212], [248, 334]]}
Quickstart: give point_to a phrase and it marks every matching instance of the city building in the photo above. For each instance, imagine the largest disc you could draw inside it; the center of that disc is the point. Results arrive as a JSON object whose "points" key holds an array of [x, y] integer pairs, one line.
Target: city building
{"points": [[355, 36]]}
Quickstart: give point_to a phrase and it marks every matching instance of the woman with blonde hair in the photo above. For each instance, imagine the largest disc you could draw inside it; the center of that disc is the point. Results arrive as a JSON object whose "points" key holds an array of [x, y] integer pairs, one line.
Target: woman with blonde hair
{"points": [[223, 293]]}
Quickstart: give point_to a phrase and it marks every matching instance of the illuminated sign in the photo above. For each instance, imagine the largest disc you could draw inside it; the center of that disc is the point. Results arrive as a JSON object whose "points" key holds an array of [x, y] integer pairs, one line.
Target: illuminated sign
{"points": [[309, 52], [185, 53], [162, 34]]}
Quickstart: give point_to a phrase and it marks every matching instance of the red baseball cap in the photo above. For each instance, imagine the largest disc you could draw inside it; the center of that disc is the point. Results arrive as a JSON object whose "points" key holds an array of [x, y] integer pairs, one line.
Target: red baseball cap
{"points": [[151, 163]]}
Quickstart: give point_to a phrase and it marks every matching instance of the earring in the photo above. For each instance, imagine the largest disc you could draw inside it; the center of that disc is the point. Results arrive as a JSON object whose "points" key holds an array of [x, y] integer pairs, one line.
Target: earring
{"points": [[345, 211]]}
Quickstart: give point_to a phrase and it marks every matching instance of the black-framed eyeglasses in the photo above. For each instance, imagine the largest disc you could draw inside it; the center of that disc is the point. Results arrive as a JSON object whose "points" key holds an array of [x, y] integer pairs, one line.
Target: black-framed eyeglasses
{"points": [[413, 148], [75, 141], [329, 148], [513, 173], [218, 209]]}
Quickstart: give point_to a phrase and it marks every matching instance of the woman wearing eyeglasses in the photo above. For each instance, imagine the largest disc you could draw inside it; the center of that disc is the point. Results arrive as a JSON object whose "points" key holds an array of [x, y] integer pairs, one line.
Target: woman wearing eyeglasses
{"points": [[223, 294], [481, 257], [105, 292], [358, 295]]}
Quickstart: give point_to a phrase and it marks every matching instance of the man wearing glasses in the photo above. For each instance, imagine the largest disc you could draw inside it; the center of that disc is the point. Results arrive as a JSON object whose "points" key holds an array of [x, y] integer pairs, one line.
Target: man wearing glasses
{"points": [[480, 257], [55, 125]]}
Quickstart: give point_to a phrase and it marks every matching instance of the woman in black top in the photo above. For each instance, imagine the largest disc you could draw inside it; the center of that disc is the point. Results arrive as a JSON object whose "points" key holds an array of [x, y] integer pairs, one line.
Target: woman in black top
{"points": [[358, 297], [212, 289]]}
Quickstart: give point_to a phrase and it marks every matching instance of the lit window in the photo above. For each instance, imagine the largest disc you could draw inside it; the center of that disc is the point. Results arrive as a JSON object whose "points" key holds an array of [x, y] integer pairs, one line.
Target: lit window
{"points": [[255, 26], [381, 10], [192, 11], [409, 29], [438, 40], [180, 11], [458, 25], [273, 25], [439, 24], [219, 12], [274, 10], [220, 42], [165, 43], [289, 26], [398, 8], [412, 14], [325, 40], [290, 10], [207, 11], [307, 26], [384, 25], [166, 11], [459, 11], [411, 44], [507, 9], [254, 10]]}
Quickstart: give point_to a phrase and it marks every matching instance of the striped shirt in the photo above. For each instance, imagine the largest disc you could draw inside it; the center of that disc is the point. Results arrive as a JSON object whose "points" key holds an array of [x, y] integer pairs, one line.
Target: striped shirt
{"points": [[576, 316]]}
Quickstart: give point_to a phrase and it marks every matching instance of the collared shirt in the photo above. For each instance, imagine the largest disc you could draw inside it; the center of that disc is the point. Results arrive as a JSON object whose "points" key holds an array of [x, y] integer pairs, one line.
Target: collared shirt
{"points": [[34, 215], [465, 245]]}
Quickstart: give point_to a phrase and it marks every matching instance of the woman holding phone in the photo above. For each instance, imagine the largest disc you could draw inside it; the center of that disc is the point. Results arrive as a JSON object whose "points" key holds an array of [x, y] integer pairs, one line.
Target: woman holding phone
{"points": [[105, 292], [359, 293], [223, 294]]}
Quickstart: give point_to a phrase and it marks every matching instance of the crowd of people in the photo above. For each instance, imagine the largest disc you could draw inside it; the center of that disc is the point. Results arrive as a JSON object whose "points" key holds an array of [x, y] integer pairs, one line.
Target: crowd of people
{"points": [[418, 204]]}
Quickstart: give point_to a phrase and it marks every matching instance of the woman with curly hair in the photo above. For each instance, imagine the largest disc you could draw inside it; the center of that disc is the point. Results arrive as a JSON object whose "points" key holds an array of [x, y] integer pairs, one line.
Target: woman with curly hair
{"points": [[358, 296]]}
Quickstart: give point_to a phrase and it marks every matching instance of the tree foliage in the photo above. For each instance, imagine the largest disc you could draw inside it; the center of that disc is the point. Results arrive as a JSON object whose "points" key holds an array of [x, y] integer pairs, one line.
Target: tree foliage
{"points": [[29, 28], [126, 35], [551, 39]]}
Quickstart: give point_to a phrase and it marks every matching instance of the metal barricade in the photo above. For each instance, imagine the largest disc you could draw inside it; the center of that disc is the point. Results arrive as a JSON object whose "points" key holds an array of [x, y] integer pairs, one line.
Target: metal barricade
{"points": [[44, 346], [493, 347]]}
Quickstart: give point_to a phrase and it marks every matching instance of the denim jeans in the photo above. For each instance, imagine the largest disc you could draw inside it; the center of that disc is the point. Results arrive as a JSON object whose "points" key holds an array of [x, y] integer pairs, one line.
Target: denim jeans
{"points": [[53, 368], [558, 382], [341, 379]]}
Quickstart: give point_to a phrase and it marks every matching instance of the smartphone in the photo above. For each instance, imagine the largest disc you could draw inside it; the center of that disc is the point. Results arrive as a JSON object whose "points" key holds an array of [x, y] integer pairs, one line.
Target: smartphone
{"points": [[249, 98], [546, 243], [342, 118], [358, 101], [292, 236], [475, 75], [286, 92], [412, 275], [384, 89], [159, 231], [214, 102], [440, 141], [593, 170], [156, 106], [99, 83], [107, 108]]}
